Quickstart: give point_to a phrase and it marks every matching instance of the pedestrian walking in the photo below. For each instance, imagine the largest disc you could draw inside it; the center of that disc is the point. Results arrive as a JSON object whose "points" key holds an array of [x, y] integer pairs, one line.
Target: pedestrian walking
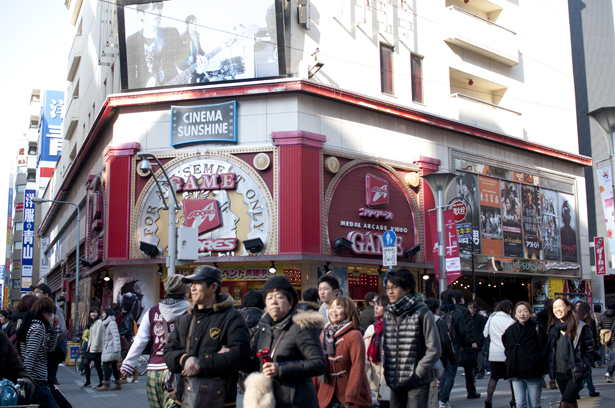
{"points": [[94, 349], [584, 315], [457, 331], [411, 342], [367, 316], [126, 328], [157, 322], [252, 312], [210, 343], [374, 346], [527, 350], [35, 345], [607, 336], [469, 351], [8, 326], [597, 315], [310, 300], [494, 328], [571, 350], [112, 348], [328, 289], [478, 325]]}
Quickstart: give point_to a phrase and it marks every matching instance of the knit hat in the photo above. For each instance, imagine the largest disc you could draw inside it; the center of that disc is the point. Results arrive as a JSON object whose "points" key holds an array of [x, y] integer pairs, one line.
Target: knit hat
{"points": [[253, 298], [175, 286], [281, 282]]}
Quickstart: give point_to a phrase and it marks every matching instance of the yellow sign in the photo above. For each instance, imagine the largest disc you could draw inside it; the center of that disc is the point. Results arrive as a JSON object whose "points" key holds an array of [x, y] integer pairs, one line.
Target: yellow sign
{"points": [[555, 286]]}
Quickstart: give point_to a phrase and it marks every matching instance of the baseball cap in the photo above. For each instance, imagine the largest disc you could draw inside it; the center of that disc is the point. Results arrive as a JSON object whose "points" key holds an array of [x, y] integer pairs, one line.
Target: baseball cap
{"points": [[42, 286], [203, 272]]}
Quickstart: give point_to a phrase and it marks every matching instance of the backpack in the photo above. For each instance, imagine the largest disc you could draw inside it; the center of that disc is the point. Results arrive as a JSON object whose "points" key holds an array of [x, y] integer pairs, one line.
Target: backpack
{"points": [[450, 325]]}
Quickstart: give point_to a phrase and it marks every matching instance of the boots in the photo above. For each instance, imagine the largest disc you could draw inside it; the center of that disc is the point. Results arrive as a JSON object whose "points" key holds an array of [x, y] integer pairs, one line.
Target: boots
{"points": [[117, 386], [103, 387], [136, 375]]}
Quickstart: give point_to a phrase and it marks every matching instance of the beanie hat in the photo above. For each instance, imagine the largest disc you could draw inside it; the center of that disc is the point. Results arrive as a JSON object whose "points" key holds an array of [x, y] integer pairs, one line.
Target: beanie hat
{"points": [[253, 298], [174, 285], [281, 282]]}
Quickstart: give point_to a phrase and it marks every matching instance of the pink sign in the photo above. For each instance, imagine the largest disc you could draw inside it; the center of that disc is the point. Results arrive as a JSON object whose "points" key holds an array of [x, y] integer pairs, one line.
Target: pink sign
{"points": [[376, 191], [599, 253], [453, 263], [203, 214]]}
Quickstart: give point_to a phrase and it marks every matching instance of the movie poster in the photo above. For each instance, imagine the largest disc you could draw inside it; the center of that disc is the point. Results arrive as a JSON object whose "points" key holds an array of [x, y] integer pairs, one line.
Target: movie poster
{"points": [[550, 226], [511, 219], [490, 216], [568, 230], [466, 187], [531, 222]]}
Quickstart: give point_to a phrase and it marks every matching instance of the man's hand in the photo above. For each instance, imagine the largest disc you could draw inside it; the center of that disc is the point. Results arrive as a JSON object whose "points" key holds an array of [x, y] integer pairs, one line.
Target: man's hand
{"points": [[270, 370], [192, 367], [28, 388], [56, 322], [124, 373], [201, 64], [223, 350]]}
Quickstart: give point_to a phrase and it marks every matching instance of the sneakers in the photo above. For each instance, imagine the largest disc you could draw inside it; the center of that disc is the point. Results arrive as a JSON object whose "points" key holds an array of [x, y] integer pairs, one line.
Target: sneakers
{"points": [[594, 394], [444, 404], [86, 385], [474, 396], [608, 377]]}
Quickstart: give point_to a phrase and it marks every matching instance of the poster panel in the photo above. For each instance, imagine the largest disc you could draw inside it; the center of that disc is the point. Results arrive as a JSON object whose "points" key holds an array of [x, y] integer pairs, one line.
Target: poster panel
{"points": [[605, 182], [551, 248], [511, 219], [490, 216], [180, 42], [599, 255], [466, 186], [568, 230], [532, 248], [451, 251]]}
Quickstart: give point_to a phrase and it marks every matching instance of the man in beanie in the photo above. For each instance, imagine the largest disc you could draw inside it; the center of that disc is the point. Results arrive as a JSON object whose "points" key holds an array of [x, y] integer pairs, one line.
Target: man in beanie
{"points": [[156, 323], [221, 341]]}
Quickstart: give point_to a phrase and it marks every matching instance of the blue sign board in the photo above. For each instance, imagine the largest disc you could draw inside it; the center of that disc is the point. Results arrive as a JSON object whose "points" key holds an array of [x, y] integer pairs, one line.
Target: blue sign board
{"points": [[27, 251], [50, 136], [389, 238], [464, 230]]}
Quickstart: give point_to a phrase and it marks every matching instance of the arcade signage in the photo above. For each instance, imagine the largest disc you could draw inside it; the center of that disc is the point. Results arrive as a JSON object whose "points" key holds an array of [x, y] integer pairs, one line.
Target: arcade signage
{"points": [[205, 123]]}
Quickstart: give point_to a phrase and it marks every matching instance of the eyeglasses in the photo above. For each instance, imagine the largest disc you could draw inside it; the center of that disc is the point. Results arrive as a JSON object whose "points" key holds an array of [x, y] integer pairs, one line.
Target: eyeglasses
{"points": [[38, 292], [391, 288]]}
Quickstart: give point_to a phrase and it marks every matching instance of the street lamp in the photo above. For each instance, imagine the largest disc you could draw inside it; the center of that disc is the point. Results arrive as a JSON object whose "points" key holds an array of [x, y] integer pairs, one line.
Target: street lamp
{"points": [[43, 200], [439, 183], [172, 207]]}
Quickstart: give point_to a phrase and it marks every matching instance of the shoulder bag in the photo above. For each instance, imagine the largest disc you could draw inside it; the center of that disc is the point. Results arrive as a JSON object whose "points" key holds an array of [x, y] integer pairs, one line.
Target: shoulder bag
{"points": [[487, 341], [605, 334]]}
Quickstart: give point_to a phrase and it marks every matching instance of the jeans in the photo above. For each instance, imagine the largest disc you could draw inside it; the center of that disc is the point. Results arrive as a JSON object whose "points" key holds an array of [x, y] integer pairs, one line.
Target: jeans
{"points": [[42, 395], [107, 367], [416, 397], [589, 382], [532, 387], [447, 381]]}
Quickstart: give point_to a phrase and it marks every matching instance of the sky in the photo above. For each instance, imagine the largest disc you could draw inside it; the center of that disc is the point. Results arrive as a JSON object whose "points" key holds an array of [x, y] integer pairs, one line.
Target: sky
{"points": [[34, 54]]}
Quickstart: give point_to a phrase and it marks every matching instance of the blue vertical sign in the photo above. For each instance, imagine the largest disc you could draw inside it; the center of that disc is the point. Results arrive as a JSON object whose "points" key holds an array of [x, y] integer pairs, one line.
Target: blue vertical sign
{"points": [[50, 143], [27, 253]]}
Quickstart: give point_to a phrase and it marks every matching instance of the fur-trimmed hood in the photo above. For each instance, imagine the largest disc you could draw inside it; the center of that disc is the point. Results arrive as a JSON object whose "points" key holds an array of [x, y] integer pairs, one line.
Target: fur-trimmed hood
{"points": [[309, 320], [307, 306], [223, 302]]}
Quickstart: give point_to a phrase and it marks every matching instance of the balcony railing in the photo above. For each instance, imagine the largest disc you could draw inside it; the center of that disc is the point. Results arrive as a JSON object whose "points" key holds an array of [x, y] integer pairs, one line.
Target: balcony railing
{"points": [[74, 57], [71, 118], [487, 115]]}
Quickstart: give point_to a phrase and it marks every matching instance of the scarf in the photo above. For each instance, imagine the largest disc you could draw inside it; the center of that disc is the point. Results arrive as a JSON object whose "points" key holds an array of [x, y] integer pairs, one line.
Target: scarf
{"points": [[328, 336], [373, 351], [406, 303], [567, 348]]}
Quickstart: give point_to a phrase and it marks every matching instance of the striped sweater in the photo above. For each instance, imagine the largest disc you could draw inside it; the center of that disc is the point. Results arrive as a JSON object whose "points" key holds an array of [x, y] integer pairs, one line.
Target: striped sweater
{"points": [[34, 350]]}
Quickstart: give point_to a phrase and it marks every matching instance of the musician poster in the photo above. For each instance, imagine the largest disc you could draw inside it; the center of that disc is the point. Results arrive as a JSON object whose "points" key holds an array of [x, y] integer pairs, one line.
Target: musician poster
{"points": [[531, 222], [466, 186], [511, 217], [490, 216], [551, 249], [182, 42], [568, 231]]}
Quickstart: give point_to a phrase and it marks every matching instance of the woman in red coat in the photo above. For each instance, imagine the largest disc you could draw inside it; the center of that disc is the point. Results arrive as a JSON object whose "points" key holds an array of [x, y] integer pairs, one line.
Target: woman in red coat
{"points": [[346, 382]]}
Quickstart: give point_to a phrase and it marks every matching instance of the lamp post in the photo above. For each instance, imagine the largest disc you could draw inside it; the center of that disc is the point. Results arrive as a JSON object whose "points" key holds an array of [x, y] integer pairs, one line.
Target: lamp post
{"points": [[43, 200], [439, 183], [172, 207]]}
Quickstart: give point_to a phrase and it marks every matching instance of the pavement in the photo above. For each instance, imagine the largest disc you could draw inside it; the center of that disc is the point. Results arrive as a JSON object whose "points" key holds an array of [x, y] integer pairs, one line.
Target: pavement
{"points": [[134, 395]]}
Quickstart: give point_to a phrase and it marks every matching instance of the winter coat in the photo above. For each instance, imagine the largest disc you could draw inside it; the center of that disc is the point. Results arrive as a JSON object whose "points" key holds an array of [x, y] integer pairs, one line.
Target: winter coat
{"points": [[299, 356], [526, 350], [95, 345], [346, 378], [304, 306], [127, 326], [478, 325], [461, 336], [448, 352], [495, 328], [218, 326], [583, 352], [10, 328], [411, 344], [375, 372], [468, 323], [606, 321], [252, 315], [367, 317], [112, 346], [11, 367]]}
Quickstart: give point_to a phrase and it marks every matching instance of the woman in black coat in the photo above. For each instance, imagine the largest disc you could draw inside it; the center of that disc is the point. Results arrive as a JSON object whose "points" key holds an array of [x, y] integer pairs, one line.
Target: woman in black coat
{"points": [[289, 350], [571, 350], [526, 349]]}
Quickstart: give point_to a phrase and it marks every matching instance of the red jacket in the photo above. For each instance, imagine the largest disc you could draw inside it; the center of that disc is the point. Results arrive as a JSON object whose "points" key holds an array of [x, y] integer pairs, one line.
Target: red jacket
{"points": [[346, 376]]}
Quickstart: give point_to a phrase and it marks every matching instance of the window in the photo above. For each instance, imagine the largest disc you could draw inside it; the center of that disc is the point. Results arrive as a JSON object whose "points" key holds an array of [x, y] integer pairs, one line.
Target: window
{"points": [[32, 151], [416, 70], [18, 226], [386, 69], [31, 177], [17, 246], [16, 284], [21, 189]]}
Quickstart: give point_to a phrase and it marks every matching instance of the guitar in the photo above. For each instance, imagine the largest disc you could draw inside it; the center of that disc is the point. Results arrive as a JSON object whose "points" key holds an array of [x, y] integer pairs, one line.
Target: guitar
{"points": [[240, 33]]}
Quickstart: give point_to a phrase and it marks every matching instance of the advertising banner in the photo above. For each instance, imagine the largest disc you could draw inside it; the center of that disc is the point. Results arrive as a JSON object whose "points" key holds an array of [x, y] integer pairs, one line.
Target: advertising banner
{"points": [[555, 286], [27, 250], [551, 248], [205, 123], [50, 138], [180, 42], [466, 186], [568, 230], [453, 263], [511, 216], [606, 196], [599, 254], [531, 222], [490, 216]]}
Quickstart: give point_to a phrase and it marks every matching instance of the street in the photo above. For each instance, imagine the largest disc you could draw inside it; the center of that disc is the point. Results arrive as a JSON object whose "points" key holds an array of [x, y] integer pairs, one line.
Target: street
{"points": [[134, 395]]}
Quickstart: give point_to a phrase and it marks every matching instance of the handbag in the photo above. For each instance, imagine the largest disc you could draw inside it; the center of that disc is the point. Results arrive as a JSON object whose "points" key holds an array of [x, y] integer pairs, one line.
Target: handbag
{"points": [[487, 341], [605, 334], [124, 343], [259, 389]]}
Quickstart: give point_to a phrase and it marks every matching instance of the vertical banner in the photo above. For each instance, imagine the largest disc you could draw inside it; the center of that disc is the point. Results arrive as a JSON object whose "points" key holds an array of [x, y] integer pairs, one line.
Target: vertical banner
{"points": [[568, 231], [27, 252], [551, 247], [453, 263], [555, 286], [606, 196], [466, 186], [599, 254], [490, 216], [532, 249], [511, 215]]}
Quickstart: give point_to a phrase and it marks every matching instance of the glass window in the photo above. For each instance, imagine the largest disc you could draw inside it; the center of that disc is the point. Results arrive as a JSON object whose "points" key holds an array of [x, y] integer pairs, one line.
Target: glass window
{"points": [[386, 69], [17, 246], [18, 226], [21, 188], [416, 68]]}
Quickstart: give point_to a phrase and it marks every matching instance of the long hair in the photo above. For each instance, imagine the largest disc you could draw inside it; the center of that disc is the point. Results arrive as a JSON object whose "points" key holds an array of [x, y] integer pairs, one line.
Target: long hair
{"points": [[584, 313], [505, 306], [26, 303], [571, 317], [350, 310]]}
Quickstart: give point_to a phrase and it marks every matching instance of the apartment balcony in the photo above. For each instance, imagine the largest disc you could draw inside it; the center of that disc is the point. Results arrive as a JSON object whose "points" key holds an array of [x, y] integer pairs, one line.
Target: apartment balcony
{"points": [[33, 135], [484, 37], [31, 162], [476, 112], [74, 57], [71, 118]]}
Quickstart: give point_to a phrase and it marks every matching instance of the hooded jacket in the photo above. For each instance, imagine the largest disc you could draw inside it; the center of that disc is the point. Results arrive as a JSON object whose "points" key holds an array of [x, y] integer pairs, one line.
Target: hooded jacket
{"points": [[219, 326], [152, 328], [583, 352], [606, 322], [111, 340]]}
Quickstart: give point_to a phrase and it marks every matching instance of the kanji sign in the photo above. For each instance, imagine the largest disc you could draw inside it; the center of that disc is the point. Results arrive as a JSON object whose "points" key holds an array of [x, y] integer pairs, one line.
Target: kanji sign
{"points": [[464, 230], [27, 250], [460, 210], [599, 253]]}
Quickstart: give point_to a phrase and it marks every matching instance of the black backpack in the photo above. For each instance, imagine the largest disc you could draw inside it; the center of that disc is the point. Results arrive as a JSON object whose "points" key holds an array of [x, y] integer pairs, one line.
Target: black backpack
{"points": [[450, 325]]}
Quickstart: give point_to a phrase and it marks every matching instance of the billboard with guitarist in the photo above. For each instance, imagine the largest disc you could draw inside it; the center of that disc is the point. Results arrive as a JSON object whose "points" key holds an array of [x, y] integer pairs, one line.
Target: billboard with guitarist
{"points": [[183, 42]]}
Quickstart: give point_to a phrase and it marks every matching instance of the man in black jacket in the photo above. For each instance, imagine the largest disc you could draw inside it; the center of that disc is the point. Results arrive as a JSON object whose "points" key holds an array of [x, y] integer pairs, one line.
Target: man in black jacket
{"points": [[454, 318], [127, 327], [470, 348], [221, 341], [478, 325]]}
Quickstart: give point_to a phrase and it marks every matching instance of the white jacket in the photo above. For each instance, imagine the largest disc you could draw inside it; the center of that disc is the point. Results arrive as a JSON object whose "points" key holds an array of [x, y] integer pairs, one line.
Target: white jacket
{"points": [[495, 327], [111, 341], [375, 372], [96, 337]]}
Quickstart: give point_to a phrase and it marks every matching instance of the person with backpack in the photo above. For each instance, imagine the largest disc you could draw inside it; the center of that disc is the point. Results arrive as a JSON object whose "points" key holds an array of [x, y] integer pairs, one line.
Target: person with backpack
{"points": [[494, 329], [458, 334]]}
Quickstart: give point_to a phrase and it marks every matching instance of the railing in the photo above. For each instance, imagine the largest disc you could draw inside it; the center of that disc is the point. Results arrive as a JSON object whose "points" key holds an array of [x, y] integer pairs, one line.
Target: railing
{"points": [[487, 115]]}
